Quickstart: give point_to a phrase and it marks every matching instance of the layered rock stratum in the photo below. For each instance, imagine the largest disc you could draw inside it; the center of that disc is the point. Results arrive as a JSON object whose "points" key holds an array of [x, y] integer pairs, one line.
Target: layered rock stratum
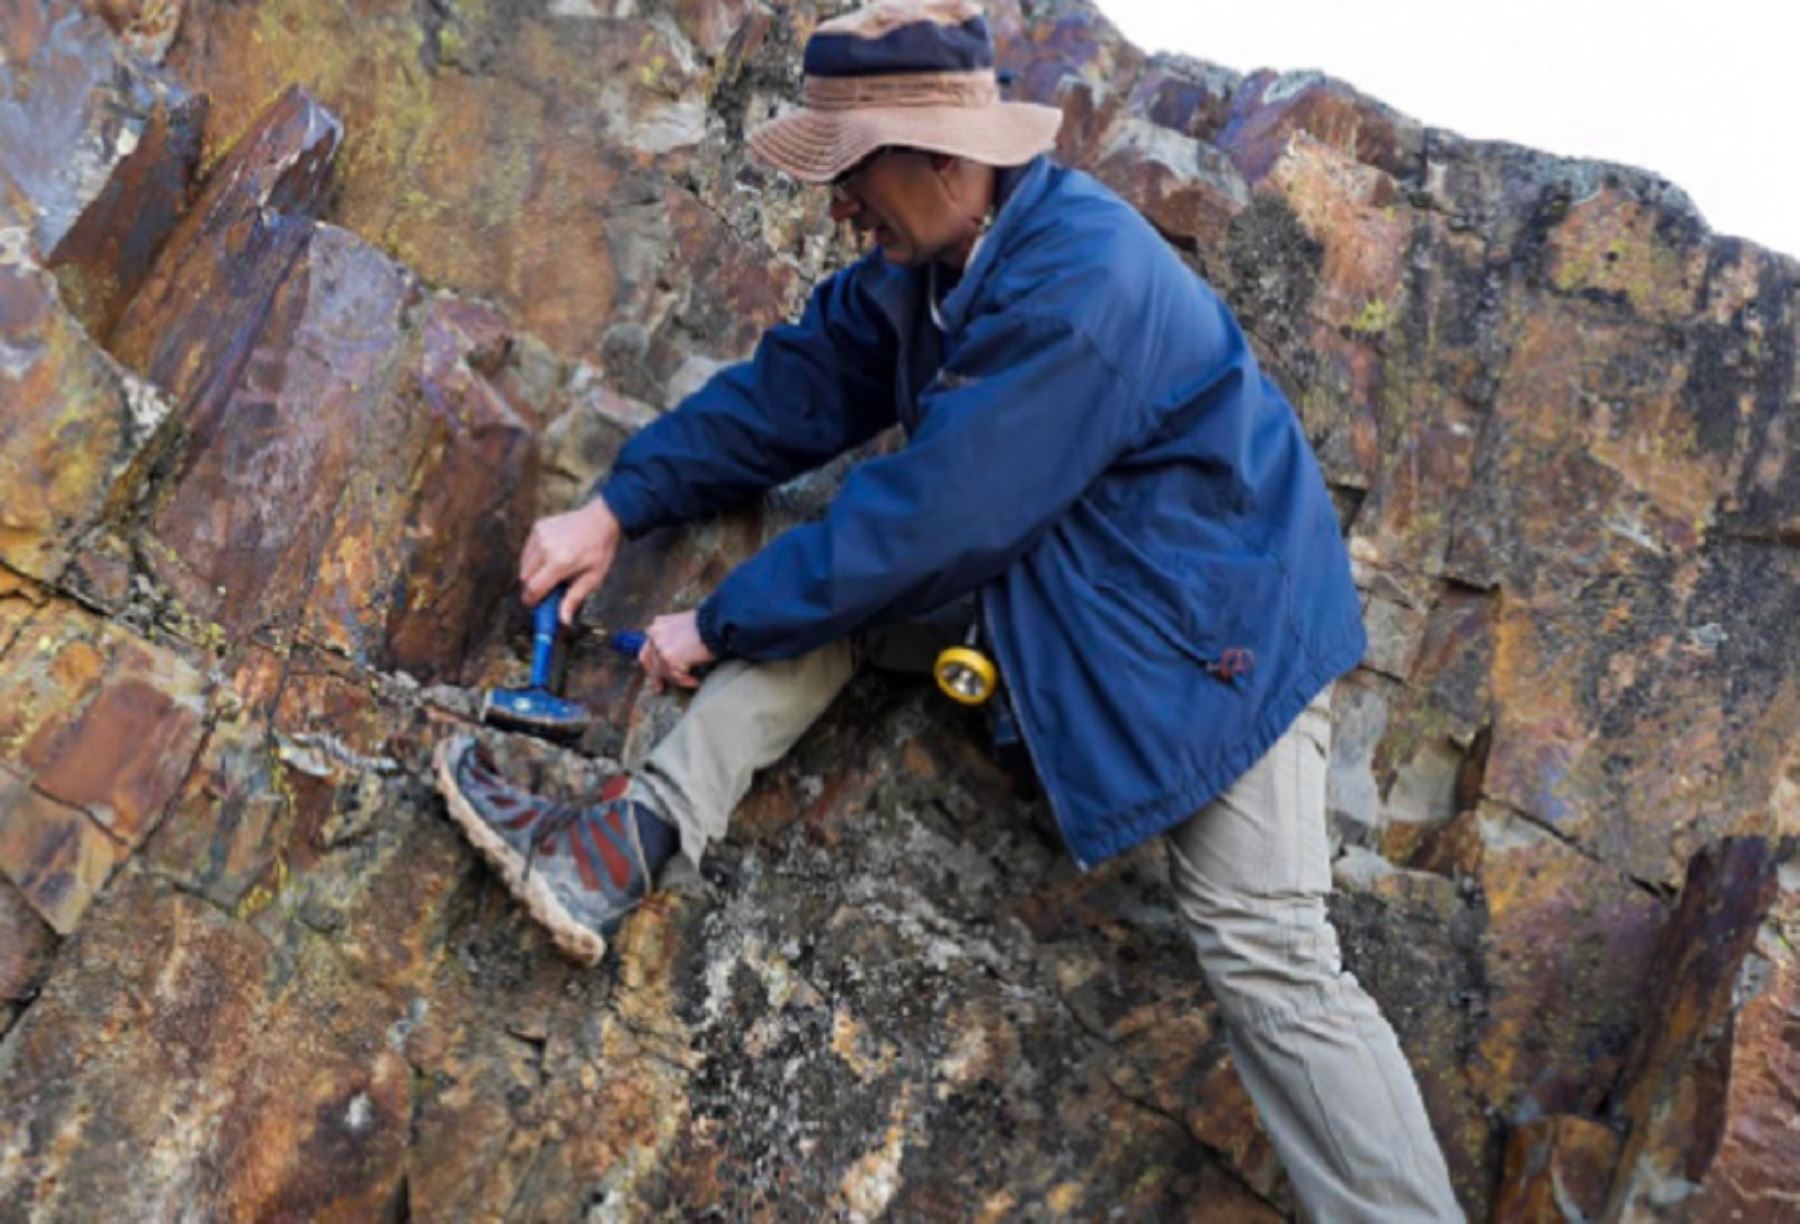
{"points": [[307, 309]]}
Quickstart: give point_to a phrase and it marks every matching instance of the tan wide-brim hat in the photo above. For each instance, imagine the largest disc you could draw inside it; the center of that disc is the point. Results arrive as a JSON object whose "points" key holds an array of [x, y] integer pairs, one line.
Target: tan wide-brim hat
{"points": [[915, 73]]}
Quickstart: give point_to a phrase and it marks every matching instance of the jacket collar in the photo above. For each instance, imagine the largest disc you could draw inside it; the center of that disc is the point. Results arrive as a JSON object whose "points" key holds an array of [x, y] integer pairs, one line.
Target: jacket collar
{"points": [[1020, 190], [901, 291]]}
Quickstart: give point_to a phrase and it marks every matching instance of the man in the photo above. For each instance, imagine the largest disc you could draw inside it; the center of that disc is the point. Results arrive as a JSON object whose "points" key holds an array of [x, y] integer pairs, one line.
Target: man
{"points": [[1098, 470]]}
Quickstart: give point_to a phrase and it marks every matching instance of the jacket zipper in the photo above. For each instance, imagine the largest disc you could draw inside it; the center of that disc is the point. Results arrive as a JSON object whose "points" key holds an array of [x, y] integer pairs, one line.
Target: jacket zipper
{"points": [[1031, 753]]}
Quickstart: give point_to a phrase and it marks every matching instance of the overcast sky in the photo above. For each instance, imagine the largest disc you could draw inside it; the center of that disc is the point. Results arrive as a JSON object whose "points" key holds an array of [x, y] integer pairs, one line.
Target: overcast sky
{"points": [[1704, 94]]}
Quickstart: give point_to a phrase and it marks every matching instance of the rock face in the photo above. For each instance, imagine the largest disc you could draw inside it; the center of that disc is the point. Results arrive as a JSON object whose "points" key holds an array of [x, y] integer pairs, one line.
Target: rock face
{"points": [[272, 436]]}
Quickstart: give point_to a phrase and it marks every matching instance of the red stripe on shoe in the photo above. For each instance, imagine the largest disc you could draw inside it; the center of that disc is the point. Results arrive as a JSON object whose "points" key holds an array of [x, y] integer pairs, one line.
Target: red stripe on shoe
{"points": [[584, 862], [616, 864]]}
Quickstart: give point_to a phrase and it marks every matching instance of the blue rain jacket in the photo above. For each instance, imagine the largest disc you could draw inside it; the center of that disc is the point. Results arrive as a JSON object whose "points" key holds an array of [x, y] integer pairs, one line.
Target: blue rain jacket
{"points": [[1095, 451]]}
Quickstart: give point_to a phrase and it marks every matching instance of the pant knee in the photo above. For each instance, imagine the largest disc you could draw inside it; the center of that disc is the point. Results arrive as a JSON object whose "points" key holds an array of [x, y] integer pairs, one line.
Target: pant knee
{"points": [[1267, 960]]}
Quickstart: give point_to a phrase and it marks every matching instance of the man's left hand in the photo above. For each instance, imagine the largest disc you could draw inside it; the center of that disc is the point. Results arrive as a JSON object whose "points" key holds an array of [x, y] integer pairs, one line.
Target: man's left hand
{"points": [[673, 649]]}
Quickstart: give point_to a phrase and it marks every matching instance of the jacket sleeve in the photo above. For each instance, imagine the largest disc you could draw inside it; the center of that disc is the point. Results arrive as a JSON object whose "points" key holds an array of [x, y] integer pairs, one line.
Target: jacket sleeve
{"points": [[813, 390], [1024, 416]]}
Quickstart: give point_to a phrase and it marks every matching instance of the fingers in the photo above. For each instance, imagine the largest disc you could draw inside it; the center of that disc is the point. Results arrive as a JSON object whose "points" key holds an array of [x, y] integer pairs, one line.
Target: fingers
{"points": [[585, 584], [660, 640], [651, 662], [576, 548], [539, 578], [531, 557], [531, 562]]}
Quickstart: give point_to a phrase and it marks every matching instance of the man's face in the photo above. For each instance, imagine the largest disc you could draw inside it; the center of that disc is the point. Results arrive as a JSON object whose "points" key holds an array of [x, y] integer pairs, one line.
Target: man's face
{"points": [[902, 199]]}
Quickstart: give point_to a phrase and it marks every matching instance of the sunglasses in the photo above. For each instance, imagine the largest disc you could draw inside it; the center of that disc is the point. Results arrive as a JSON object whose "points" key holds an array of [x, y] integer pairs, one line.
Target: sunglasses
{"points": [[841, 185]]}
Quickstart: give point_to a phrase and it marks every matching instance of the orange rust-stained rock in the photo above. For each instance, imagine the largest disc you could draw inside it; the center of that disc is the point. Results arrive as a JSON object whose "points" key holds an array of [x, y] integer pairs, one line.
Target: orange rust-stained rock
{"points": [[184, 1002], [338, 455], [75, 420], [57, 857], [227, 826], [123, 759], [239, 531], [271, 1100], [1557, 1169], [464, 161], [425, 537], [98, 731], [19, 598], [1608, 246], [192, 326], [99, 719], [322, 1137], [355, 476], [1568, 951], [109, 250], [1708, 1100], [1759, 1124]]}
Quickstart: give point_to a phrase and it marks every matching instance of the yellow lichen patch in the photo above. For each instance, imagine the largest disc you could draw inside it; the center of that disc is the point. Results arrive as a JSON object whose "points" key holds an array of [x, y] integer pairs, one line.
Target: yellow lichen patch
{"points": [[1609, 243], [265, 893], [1372, 319]]}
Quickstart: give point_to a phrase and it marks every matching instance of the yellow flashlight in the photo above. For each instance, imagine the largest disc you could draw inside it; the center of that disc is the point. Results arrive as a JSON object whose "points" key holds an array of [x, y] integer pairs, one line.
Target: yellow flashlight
{"points": [[965, 674]]}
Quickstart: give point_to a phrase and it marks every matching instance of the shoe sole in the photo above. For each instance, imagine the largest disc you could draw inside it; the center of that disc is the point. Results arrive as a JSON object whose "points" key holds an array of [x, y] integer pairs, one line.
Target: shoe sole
{"points": [[570, 936]]}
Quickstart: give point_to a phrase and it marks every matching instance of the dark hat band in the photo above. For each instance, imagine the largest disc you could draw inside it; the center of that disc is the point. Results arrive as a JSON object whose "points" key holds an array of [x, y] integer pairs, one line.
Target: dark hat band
{"points": [[919, 46]]}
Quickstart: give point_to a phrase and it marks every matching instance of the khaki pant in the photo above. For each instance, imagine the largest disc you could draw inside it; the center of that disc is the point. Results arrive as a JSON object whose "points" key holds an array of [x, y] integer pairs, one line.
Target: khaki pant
{"points": [[1250, 873]]}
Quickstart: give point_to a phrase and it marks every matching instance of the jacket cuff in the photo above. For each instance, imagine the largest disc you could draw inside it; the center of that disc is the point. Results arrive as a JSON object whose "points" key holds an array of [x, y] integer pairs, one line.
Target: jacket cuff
{"points": [[624, 497], [713, 633]]}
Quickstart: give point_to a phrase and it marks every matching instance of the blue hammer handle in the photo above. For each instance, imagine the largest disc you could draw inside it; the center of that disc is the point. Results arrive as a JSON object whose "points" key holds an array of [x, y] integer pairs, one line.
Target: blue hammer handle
{"points": [[544, 626]]}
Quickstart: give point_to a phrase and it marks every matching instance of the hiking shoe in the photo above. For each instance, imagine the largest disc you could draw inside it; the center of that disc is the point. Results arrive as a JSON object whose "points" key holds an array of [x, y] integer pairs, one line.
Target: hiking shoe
{"points": [[579, 869]]}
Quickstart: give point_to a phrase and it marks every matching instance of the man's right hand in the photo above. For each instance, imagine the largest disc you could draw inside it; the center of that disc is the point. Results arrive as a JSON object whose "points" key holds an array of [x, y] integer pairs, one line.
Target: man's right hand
{"points": [[576, 548]]}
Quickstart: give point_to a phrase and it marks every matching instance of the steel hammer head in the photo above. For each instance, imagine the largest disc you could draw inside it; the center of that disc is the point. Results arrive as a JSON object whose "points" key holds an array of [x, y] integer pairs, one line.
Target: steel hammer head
{"points": [[536, 710]]}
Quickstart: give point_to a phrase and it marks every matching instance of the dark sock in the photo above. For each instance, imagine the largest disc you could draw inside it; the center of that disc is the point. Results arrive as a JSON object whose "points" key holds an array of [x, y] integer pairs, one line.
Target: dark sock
{"points": [[658, 837]]}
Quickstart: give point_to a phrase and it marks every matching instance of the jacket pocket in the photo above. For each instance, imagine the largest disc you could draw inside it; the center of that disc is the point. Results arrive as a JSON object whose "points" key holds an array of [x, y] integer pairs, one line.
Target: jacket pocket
{"points": [[1216, 612]]}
